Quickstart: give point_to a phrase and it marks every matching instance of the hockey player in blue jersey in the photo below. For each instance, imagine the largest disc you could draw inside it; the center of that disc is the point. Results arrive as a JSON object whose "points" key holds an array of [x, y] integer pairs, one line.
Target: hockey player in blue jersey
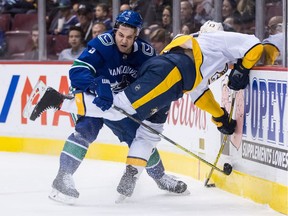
{"points": [[113, 58], [185, 66]]}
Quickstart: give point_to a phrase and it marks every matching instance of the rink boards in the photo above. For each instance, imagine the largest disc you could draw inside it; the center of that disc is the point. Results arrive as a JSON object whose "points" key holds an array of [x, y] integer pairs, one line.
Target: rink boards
{"points": [[258, 150]]}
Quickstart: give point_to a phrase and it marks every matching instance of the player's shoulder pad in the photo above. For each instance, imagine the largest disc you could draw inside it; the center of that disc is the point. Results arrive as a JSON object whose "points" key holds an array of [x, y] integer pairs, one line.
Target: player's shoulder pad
{"points": [[145, 47], [102, 42]]}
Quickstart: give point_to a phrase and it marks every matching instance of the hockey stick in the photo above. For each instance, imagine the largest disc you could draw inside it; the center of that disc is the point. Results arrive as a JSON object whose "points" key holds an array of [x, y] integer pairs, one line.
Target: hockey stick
{"points": [[225, 138], [227, 167]]}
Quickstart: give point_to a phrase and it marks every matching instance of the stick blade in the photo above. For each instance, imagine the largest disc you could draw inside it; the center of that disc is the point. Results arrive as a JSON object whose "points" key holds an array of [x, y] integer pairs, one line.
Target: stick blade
{"points": [[210, 185]]}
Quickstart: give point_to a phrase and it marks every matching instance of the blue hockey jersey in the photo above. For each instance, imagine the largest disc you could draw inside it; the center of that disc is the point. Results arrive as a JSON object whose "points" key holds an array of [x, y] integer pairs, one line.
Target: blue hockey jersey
{"points": [[102, 57]]}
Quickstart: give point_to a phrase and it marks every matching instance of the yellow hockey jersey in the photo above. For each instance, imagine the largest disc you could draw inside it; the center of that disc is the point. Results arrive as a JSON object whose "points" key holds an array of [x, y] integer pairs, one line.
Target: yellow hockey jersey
{"points": [[212, 52]]}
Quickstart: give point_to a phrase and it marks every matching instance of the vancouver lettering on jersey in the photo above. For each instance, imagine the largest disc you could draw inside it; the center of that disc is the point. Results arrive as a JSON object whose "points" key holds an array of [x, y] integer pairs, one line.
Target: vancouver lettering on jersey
{"points": [[123, 69]]}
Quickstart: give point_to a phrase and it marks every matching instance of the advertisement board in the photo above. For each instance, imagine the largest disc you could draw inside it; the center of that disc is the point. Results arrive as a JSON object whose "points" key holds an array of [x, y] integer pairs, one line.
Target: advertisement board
{"points": [[258, 150], [18, 82]]}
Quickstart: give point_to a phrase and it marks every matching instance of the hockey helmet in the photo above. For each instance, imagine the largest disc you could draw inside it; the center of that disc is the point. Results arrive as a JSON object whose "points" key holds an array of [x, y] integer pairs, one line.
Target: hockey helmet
{"points": [[130, 18], [211, 26]]}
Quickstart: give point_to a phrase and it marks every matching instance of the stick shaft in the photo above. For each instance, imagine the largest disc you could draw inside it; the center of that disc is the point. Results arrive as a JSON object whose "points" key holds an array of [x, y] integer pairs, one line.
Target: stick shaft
{"points": [[167, 139], [225, 138]]}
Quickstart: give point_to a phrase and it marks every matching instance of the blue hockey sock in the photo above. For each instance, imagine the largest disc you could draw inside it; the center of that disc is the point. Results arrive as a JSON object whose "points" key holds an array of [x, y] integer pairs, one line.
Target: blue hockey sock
{"points": [[72, 155], [155, 167]]}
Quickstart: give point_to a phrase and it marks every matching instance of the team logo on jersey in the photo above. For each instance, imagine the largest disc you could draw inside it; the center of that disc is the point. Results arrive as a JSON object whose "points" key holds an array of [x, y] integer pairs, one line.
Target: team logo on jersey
{"points": [[147, 49], [106, 39], [137, 87], [122, 85], [92, 50], [154, 110], [217, 75]]}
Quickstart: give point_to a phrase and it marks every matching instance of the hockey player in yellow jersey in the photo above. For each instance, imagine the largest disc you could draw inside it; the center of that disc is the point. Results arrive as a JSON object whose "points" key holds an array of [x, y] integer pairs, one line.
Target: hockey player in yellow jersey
{"points": [[184, 67]]}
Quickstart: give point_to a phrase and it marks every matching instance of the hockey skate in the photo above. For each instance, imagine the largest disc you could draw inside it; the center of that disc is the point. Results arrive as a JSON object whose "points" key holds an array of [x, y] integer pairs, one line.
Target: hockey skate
{"points": [[127, 183], [168, 183], [63, 189], [48, 98]]}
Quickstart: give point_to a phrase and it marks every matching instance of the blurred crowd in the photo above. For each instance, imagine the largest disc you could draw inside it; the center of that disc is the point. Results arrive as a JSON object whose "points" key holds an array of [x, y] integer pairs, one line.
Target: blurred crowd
{"points": [[75, 22]]}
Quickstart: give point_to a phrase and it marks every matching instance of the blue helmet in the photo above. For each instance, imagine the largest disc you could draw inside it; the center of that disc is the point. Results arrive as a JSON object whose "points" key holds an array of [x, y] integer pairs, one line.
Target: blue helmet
{"points": [[130, 18]]}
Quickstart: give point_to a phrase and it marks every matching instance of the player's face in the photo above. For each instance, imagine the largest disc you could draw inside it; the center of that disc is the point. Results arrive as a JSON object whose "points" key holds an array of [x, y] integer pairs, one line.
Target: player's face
{"points": [[125, 38]]}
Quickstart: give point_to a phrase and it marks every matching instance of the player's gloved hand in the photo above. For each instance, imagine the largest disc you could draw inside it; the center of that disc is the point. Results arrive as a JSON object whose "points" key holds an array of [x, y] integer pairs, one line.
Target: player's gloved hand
{"points": [[238, 77], [223, 124], [104, 97]]}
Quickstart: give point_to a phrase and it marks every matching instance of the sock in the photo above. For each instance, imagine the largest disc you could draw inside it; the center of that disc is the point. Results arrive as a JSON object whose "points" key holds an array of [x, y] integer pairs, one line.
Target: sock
{"points": [[154, 167], [72, 155]]}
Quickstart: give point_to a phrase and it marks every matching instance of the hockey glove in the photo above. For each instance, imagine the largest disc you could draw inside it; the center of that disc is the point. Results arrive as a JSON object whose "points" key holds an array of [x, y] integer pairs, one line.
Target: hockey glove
{"points": [[238, 77], [104, 97], [223, 124]]}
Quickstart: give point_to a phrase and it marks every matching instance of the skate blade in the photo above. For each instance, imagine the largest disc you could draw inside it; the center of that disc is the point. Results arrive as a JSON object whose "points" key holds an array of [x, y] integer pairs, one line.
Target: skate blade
{"points": [[38, 91], [57, 196], [185, 193], [121, 198]]}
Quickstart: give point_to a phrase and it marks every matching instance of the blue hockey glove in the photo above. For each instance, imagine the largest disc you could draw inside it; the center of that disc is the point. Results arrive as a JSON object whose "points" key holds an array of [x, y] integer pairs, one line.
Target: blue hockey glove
{"points": [[223, 124], [104, 97], [238, 77]]}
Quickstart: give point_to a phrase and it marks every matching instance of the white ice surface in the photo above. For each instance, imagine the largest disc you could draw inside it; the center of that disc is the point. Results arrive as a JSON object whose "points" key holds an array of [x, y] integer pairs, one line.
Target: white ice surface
{"points": [[25, 181]]}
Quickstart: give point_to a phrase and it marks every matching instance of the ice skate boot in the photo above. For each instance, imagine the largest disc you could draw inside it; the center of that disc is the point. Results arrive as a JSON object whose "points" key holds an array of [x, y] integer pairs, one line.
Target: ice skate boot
{"points": [[127, 183], [63, 189], [168, 183], [48, 98]]}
